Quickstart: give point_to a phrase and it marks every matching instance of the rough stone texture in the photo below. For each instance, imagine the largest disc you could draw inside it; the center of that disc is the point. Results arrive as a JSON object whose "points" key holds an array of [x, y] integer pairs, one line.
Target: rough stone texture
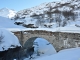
{"points": [[60, 40]]}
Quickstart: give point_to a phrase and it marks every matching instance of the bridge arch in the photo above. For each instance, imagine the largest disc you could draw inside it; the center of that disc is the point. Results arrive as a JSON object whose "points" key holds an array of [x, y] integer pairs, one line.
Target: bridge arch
{"points": [[41, 45], [31, 41]]}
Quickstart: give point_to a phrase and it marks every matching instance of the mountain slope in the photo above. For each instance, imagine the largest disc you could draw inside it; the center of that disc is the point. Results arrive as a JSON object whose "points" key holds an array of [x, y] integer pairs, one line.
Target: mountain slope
{"points": [[8, 13], [52, 14], [43, 8]]}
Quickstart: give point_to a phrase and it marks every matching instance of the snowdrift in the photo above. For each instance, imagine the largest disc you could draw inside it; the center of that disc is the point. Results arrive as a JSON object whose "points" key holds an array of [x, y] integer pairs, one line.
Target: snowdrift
{"points": [[8, 40]]}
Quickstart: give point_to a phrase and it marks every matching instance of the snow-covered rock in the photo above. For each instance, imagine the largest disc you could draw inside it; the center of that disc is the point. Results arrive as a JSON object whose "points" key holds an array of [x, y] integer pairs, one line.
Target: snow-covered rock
{"points": [[7, 40]]}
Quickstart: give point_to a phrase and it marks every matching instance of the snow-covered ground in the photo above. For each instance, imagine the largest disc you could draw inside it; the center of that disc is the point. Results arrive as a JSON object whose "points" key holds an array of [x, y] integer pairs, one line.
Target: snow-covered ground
{"points": [[44, 47], [67, 54]]}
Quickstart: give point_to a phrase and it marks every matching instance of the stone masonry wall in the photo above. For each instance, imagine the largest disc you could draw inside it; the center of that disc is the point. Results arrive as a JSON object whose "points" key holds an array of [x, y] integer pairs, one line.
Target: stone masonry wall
{"points": [[60, 40]]}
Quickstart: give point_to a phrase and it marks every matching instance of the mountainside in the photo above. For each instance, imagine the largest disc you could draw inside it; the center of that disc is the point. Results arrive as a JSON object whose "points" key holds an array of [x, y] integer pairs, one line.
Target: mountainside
{"points": [[8, 13], [52, 14]]}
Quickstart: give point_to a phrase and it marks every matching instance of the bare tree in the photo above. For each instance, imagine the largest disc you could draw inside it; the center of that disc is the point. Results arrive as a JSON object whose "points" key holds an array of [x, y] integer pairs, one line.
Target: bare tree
{"points": [[49, 14], [58, 19], [64, 23], [69, 15]]}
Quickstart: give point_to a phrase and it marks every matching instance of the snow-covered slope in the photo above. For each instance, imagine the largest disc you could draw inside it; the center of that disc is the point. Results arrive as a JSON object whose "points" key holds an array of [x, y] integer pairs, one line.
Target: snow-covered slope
{"points": [[52, 14], [7, 23], [7, 40], [8, 13]]}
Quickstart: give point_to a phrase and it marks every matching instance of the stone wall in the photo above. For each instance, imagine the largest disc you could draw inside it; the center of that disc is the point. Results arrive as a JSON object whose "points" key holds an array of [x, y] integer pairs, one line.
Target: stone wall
{"points": [[60, 40]]}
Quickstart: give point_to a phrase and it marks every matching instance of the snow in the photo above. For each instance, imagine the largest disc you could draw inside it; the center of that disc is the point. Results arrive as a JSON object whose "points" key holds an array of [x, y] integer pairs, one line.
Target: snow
{"points": [[11, 14], [65, 8], [8, 13], [7, 40], [43, 46], [29, 21], [67, 54], [7, 23], [68, 29]]}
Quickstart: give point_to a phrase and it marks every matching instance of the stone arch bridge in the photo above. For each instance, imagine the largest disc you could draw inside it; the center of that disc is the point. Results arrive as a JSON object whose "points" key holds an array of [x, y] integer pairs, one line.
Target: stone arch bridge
{"points": [[60, 40]]}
